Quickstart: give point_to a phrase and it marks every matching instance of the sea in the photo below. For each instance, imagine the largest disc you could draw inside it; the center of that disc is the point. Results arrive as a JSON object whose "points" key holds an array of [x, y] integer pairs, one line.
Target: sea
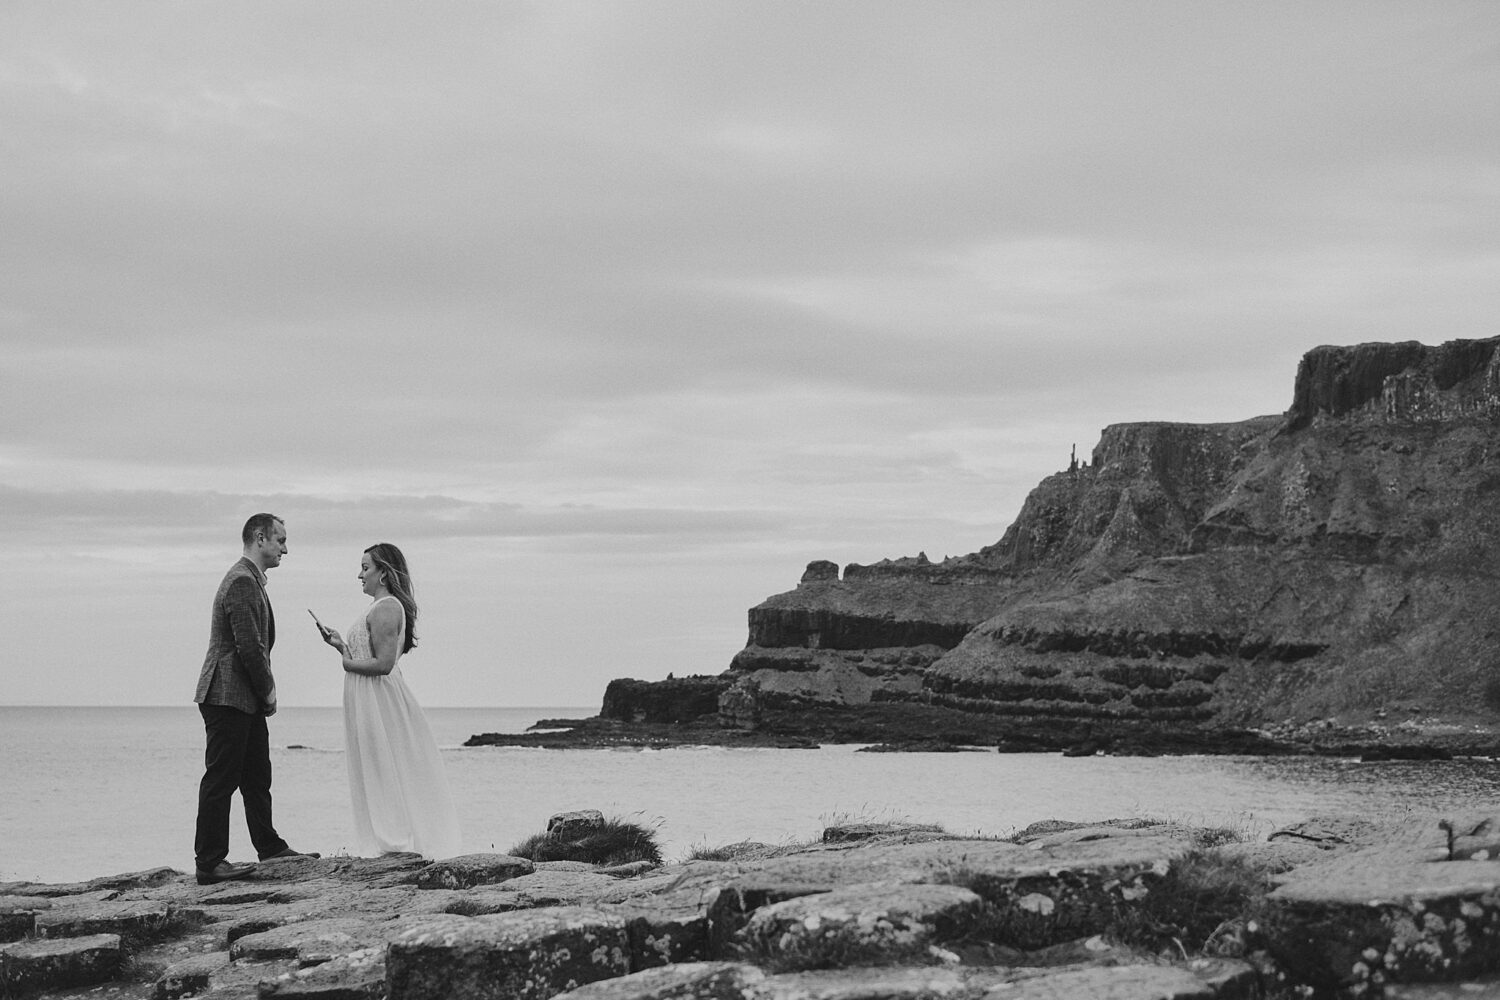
{"points": [[86, 792]]}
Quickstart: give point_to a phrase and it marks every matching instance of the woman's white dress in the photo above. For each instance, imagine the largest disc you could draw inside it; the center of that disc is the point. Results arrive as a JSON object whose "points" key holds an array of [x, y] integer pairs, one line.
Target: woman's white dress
{"points": [[397, 784]]}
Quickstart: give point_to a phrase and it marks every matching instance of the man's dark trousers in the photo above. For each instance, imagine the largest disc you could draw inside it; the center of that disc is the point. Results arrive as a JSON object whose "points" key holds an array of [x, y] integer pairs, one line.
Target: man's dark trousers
{"points": [[238, 757]]}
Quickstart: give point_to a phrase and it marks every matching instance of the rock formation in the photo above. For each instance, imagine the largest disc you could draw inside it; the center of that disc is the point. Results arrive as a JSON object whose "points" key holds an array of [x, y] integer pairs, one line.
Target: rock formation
{"points": [[1121, 909], [1189, 583]]}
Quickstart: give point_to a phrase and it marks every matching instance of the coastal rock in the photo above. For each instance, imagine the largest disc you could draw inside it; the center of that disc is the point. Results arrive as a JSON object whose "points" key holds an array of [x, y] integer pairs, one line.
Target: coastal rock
{"points": [[579, 823], [528, 955], [359, 975], [696, 980], [860, 925], [1394, 912], [469, 870], [1184, 589], [18, 915], [41, 964], [190, 976], [134, 921]]}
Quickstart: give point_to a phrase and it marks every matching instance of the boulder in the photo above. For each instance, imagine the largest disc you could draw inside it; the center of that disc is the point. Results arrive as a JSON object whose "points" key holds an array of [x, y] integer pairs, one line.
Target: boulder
{"points": [[526, 955], [580, 823], [26, 966]]}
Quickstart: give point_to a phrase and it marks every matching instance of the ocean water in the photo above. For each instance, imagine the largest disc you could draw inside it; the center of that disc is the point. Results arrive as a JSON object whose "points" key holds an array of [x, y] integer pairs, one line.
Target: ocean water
{"points": [[97, 791]]}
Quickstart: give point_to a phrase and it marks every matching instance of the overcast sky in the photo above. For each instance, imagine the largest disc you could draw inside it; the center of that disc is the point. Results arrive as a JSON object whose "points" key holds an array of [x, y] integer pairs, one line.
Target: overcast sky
{"points": [[615, 315]]}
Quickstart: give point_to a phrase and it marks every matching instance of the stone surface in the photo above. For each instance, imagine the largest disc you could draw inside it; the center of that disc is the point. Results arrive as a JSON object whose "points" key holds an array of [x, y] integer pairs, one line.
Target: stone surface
{"points": [[190, 976], [1132, 982], [578, 823], [1393, 912], [359, 975], [134, 920], [469, 870], [509, 956], [1375, 905], [860, 925], [688, 981], [39, 964]]}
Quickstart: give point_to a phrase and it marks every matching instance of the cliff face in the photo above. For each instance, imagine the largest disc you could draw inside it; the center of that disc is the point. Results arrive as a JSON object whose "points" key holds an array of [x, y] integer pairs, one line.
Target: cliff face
{"points": [[1339, 559]]}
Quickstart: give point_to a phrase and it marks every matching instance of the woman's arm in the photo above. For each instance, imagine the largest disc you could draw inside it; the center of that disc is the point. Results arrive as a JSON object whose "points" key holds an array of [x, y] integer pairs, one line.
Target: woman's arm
{"points": [[385, 642]]}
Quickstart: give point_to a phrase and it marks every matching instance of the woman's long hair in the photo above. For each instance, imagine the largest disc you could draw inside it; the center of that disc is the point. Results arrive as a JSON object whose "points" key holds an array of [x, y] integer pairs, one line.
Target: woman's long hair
{"points": [[392, 565]]}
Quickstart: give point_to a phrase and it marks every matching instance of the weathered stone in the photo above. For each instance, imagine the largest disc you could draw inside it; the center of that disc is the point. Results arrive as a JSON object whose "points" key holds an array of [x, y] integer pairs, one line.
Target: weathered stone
{"points": [[1388, 914], [1478, 989], [359, 975], [568, 825], [846, 832], [40, 964], [666, 934], [18, 915], [312, 942], [860, 925], [104, 885], [1211, 981], [1470, 840], [688, 981], [481, 901], [527, 955], [190, 976], [554, 888], [134, 921], [469, 870]]}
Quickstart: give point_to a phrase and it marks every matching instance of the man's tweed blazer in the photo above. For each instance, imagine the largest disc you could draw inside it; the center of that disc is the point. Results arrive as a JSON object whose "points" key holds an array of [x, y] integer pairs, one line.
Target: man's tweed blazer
{"points": [[237, 670]]}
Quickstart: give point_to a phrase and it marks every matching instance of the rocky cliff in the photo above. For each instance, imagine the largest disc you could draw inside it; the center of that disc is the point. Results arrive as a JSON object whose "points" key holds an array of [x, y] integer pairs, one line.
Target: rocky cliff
{"points": [[1337, 560]]}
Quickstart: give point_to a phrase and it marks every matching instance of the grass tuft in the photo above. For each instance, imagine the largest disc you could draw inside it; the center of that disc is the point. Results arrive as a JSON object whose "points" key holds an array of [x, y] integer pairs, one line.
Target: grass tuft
{"points": [[615, 842]]}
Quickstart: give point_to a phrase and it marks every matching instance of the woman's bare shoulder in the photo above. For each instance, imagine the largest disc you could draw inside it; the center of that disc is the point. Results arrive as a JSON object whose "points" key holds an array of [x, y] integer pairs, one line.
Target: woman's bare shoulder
{"points": [[386, 611]]}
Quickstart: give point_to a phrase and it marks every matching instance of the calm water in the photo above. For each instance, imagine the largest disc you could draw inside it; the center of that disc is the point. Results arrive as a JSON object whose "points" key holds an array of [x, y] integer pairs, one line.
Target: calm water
{"points": [[96, 791]]}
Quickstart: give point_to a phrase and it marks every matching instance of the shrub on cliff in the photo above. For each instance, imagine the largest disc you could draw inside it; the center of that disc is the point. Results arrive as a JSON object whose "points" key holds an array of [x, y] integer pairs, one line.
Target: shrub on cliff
{"points": [[612, 842]]}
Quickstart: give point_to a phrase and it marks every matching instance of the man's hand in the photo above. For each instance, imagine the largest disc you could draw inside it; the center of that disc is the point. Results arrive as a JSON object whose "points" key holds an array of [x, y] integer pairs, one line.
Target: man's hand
{"points": [[271, 704]]}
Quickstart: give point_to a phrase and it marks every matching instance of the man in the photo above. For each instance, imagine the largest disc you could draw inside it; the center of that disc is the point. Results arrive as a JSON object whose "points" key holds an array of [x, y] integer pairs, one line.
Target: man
{"points": [[236, 694]]}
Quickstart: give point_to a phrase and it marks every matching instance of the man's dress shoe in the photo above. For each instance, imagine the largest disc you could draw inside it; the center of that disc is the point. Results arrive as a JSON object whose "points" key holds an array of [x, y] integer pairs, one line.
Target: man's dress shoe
{"points": [[224, 871]]}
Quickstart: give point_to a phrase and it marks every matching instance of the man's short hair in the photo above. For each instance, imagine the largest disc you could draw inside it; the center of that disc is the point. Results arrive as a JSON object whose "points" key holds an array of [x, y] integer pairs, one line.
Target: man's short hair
{"points": [[258, 522]]}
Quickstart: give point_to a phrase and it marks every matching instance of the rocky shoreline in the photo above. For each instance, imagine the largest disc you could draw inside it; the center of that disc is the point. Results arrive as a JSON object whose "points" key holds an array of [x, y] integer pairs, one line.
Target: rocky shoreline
{"points": [[908, 728], [1117, 909]]}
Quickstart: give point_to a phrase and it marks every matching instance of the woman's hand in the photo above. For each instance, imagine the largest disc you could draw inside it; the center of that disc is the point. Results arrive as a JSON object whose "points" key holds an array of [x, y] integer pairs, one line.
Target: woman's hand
{"points": [[332, 637]]}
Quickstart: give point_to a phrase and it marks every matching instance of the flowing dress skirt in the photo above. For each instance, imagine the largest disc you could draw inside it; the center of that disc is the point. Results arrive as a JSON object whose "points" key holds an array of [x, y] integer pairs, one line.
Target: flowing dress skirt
{"points": [[397, 785]]}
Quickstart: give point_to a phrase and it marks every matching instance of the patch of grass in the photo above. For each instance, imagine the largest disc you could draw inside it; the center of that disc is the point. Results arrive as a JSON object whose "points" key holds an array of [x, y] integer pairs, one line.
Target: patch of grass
{"points": [[614, 842], [1207, 904], [745, 850]]}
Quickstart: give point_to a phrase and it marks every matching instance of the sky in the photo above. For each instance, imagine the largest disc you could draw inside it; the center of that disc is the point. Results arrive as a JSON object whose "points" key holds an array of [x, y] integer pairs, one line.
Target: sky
{"points": [[613, 316]]}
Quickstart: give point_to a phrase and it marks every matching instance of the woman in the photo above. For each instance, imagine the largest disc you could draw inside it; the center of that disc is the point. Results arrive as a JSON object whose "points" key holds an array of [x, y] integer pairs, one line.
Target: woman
{"points": [[396, 780]]}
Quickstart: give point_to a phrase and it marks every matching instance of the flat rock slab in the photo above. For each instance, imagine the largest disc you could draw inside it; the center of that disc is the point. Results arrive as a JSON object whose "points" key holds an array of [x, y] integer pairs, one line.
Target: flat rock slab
{"points": [[41, 964], [554, 888], [18, 915], [1390, 913], [1049, 892], [469, 870], [359, 975], [1211, 981], [134, 920], [526, 955], [694, 980], [311, 942], [190, 976], [860, 925], [1487, 989]]}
